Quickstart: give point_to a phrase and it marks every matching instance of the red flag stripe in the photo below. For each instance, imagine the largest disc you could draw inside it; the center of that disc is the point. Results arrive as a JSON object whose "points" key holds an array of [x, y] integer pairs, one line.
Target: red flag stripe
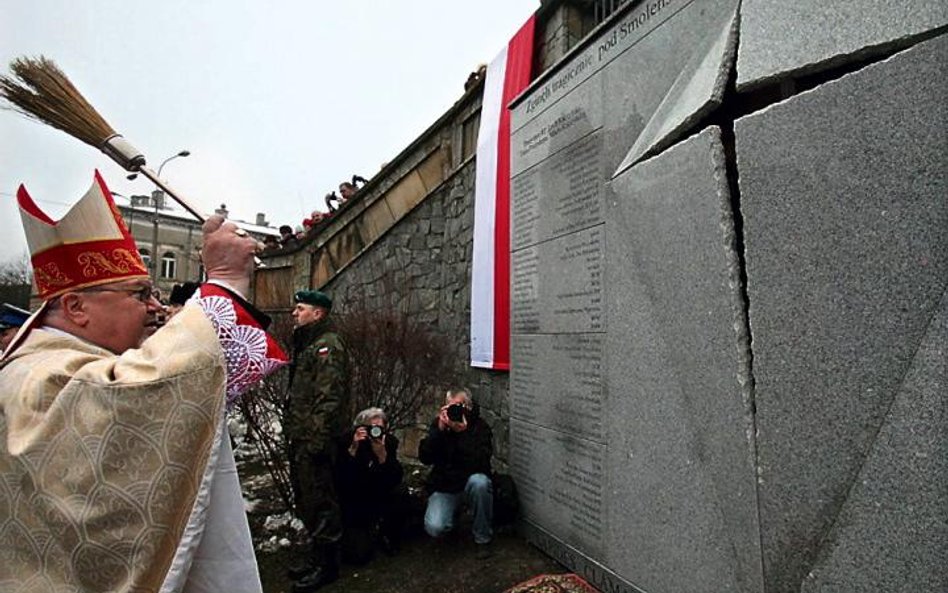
{"points": [[516, 78]]}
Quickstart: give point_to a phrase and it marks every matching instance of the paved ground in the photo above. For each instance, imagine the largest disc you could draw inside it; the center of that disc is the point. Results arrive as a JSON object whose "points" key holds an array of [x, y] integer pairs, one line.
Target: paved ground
{"points": [[427, 566]]}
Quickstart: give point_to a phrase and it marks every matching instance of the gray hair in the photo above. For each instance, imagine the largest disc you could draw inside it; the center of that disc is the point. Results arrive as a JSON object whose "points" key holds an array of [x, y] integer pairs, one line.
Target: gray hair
{"points": [[366, 415], [462, 391]]}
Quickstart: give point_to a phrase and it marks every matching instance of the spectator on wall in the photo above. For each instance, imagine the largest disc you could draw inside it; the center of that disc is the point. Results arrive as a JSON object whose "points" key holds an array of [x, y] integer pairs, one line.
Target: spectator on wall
{"points": [[347, 190], [333, 202], [287, 237], [270, 243]]}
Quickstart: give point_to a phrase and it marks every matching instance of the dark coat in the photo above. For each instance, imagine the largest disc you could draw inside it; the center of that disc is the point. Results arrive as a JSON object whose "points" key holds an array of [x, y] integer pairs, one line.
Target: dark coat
{"points": [[364, 485], [455, 456]]}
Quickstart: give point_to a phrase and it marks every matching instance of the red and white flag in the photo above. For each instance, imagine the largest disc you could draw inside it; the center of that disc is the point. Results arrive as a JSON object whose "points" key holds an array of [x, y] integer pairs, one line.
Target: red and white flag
{"points": [[507, 75]]}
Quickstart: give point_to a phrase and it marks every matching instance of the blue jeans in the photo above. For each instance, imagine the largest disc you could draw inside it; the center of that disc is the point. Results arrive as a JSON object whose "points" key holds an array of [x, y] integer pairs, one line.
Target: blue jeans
{"points": [[442, 506]]}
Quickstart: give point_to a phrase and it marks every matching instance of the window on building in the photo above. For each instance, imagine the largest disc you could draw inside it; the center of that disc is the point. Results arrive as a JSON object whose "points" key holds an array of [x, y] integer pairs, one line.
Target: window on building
{"points": [[603, 8], [146, 257], [168, 265], [469, 131]]}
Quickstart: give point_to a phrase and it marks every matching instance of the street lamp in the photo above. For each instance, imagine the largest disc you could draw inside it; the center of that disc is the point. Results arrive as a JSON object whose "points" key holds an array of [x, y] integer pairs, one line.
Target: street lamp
{"points": [[171, 158], [157, 197]]}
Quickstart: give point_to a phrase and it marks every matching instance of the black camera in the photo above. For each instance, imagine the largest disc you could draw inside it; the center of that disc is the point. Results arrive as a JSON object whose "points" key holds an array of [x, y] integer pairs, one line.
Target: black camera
{"points": [[374, 431], [456, 412]]}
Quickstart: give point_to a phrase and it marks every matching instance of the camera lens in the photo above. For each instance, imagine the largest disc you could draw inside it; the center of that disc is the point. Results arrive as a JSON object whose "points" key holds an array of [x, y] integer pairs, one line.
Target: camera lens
{"points": [[456, 413], [375, 432]]}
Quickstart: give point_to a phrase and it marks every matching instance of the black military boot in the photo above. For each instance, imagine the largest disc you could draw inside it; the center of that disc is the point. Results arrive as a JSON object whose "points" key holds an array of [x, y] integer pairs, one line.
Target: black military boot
{"points": [[298, 568], [303, 560], [319, 576], [324, 571]]}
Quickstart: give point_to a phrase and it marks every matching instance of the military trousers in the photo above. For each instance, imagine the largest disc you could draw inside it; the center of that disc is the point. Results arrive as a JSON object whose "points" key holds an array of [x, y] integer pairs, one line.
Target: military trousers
{"points": [[314, 495]]}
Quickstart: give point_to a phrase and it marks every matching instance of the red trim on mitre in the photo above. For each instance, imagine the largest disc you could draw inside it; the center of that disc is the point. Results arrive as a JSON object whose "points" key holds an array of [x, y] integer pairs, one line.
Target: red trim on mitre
{"points": [[114, 209], [80, 264], [25, 202]]}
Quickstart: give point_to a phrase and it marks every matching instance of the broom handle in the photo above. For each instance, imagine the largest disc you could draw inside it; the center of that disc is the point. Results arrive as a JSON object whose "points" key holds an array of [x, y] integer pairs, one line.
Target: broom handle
{"points": [[174, 195], [184, 203]]}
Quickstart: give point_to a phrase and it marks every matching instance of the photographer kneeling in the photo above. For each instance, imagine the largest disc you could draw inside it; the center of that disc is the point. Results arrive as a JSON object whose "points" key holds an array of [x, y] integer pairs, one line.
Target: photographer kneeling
{"points": [[459, 445], [368, 475]]}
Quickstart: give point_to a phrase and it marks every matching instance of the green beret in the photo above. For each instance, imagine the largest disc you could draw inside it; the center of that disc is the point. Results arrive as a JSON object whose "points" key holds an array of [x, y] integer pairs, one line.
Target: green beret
{"points": [[314, 297]]}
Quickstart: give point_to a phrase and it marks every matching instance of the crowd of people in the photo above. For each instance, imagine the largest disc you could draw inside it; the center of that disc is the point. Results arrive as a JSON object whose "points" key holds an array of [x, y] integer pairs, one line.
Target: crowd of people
{"points": [[291, 237], [113, 446]]}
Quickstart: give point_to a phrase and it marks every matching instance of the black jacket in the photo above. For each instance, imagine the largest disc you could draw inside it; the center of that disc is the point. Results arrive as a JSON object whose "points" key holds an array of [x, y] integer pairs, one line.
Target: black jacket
{"points": [[456, 455]]}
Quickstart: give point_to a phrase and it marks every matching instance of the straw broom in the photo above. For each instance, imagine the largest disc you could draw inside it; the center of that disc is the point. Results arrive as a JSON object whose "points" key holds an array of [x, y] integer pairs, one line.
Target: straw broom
{"points": [[41, 91]]}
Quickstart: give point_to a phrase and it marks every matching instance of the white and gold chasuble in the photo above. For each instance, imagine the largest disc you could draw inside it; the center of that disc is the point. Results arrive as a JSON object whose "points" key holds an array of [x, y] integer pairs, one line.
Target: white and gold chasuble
{"points": [[116, 472]]}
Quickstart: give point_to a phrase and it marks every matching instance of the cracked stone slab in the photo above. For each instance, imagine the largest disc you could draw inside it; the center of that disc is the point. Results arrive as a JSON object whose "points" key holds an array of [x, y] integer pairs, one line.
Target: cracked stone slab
{"points": [[698, 90], [843, 196], [780, 38], [679, 425]]}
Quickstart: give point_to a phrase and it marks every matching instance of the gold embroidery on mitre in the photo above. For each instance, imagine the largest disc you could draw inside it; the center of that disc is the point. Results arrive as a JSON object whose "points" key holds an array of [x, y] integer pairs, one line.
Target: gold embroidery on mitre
{"points": [[122, 262], [50, 275], [134, 262]]}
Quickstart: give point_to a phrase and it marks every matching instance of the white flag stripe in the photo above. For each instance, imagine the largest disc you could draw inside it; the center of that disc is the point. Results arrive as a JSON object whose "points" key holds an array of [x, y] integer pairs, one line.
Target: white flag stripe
{"points": [[485, 189]]}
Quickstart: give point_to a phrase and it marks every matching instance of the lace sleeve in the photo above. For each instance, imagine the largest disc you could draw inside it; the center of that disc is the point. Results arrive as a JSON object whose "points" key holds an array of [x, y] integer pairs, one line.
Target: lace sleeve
{"points": [[250, 353]]}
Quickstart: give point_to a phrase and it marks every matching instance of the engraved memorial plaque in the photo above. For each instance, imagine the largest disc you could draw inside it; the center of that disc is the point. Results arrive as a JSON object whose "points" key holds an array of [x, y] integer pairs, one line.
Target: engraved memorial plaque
{"points": [[568, 302], [570, 183], [558, 383], [563, 480]]}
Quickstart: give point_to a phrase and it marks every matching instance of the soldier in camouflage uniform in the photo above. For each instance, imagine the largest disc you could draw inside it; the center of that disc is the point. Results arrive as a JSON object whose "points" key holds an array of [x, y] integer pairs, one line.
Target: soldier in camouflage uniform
{"points": [[316, 413]]}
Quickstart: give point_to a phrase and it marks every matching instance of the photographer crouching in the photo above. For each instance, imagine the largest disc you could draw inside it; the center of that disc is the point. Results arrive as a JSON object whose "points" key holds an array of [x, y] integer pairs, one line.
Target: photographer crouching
{"points": [[459, 446], [368, 478]]}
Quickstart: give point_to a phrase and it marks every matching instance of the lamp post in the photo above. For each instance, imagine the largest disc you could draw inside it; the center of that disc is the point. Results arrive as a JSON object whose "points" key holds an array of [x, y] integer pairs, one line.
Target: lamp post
{"points": [[158, 197]]}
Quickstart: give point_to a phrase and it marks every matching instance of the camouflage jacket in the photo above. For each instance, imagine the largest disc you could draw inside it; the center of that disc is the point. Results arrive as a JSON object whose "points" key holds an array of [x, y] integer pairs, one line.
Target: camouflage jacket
{"points": [[318, 397]]}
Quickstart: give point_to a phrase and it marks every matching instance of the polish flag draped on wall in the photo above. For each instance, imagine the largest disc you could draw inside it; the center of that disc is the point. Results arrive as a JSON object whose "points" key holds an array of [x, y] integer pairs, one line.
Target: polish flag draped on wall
{"points": [[507, 75]]}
